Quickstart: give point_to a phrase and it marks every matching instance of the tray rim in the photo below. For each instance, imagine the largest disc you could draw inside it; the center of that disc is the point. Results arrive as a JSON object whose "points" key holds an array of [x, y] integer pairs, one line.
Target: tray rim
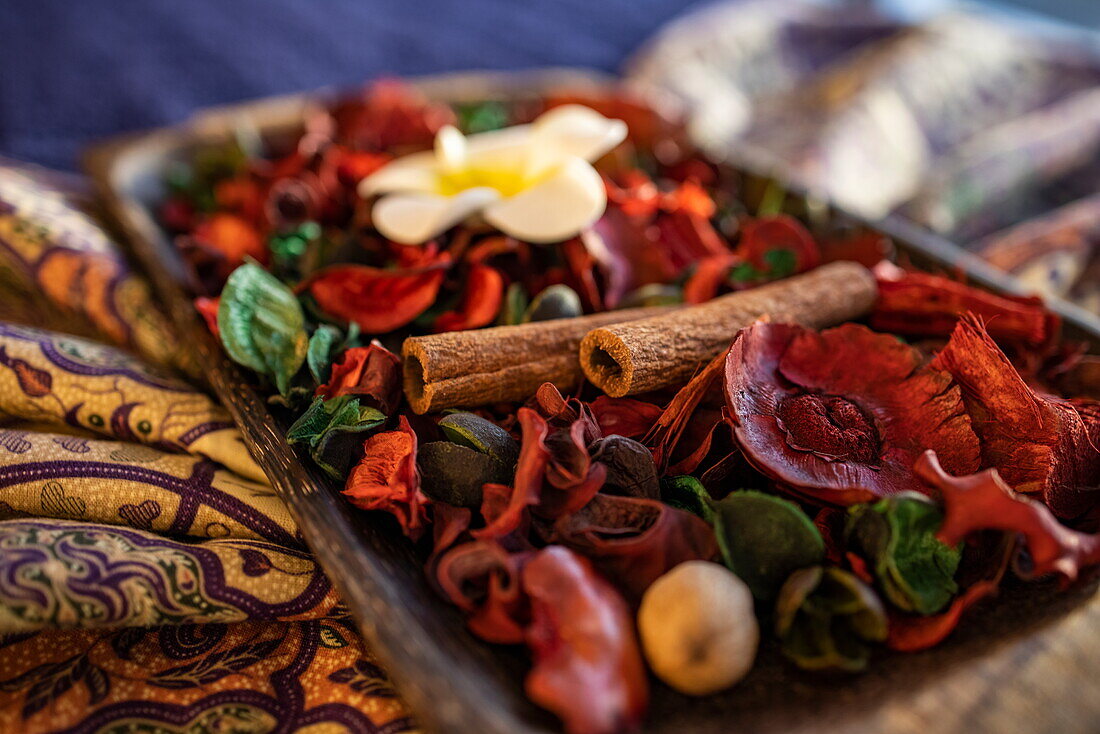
{"points": [[298, 484]]}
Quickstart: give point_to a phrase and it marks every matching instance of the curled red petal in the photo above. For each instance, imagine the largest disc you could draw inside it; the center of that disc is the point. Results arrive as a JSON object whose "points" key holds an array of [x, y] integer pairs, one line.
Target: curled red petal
{"points": [[921, 304], [779, 232], [686, 237], [710, 273], [627, 254], [481, 301], [563, 413], [387, 479], [624, 416], [664, 438], [1038, 444], [376, 299], [373, 373], [910, 633], [482, 578], [983, 501], [634, 541], [587, 666], [841, 416], [504, 508]]}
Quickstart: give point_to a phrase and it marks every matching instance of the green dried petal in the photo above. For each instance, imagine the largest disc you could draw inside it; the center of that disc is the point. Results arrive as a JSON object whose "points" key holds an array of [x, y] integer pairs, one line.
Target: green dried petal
{"points": [[474, 432], [687, 493], [653, 294], [897, 536], [515, 305], [825, 617], [333, 429], [261, 324], [764, 539], [320, 352]]}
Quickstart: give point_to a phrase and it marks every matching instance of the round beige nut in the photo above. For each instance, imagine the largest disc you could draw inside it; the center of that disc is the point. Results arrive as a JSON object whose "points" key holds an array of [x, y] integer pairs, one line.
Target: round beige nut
{"points": [[698, 628]]}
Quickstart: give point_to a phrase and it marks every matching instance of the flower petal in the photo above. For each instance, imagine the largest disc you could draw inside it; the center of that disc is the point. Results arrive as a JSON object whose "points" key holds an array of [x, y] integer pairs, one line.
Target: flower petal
{"points": [[415, 172], [555, 209], [415, 218], [575, 130]]}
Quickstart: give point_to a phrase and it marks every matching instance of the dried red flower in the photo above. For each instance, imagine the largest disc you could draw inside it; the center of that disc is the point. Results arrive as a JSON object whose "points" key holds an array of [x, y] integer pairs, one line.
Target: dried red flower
{"points": [[983, 501], [1038, 444], [386, 478], [373, 373], [378, 300], [587, 666], [390, 114], [920, 304], [634, 541], [624, 416], [483, 579], [840, 416], [481, 300]]}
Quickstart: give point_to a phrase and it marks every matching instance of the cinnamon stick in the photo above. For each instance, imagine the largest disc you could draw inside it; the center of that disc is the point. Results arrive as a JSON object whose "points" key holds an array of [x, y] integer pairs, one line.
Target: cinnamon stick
{"points": [[652, 353], [503, 363]]}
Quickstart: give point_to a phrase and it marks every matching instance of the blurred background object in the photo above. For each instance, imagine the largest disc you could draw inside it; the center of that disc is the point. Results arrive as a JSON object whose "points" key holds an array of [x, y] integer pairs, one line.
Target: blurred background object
{"points": [[969, 119]]}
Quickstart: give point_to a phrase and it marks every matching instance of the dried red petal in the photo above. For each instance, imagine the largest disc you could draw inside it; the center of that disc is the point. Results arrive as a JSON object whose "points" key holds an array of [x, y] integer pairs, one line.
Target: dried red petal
{"points": [[665, 437], [390, 114], [841, 416], [504, 508], [572, 478], [241, 195], [232, 236], [624, 416], [1038, 444], [208, 309], [376, 299], [581, 267], [386, 478], [483, 579], [587, 666], [710, 273], [983, 501], [634, 541], [910, 633], [481, 299], [372, 372], [920, 304], [687, 237], [780, 232], [634, 193]]}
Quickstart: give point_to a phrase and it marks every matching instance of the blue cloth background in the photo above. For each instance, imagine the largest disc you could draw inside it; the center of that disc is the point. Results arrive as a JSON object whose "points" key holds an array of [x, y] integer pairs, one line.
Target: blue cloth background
{"points": [[72, 71]]}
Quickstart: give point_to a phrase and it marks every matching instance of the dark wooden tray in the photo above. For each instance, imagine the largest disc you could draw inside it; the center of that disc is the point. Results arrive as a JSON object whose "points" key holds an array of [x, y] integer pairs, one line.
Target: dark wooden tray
{"points": [[456, 683]]}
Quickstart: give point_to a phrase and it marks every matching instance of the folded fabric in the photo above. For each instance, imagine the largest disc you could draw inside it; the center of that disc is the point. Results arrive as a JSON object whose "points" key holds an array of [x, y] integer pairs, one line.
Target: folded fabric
{"points": [[247, 677], [64, 476], [63, 379]]}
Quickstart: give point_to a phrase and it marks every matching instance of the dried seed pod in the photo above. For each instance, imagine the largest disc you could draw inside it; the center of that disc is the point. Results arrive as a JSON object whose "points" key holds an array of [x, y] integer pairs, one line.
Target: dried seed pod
{"points": [[456, 474], [554, 302], [698, 629], [630, 467], [473, 431]]}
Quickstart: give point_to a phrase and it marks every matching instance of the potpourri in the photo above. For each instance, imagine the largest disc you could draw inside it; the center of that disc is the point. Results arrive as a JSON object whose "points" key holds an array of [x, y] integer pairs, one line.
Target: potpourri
{"points": [[844, 476]]}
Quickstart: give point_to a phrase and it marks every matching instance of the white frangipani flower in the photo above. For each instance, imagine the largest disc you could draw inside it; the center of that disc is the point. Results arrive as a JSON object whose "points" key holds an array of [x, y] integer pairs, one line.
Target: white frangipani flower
{"points": [[534, 182]]}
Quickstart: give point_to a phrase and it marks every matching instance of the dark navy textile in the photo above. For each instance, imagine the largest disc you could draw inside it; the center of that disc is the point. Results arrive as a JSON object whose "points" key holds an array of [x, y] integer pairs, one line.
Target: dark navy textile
{"points": [[72, 71]]}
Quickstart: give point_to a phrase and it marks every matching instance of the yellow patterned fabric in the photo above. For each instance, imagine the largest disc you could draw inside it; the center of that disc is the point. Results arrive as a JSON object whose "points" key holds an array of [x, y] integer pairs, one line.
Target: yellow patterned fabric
{"points": [[150, 578]]}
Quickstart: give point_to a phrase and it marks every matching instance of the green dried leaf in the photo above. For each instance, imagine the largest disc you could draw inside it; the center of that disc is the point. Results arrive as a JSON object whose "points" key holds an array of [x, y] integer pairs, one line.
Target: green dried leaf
{"points": [[484, 436], [515, 304], [897, 536], [321, 351], [764, 539], [825, 616], [744, 273], [781, 263], [479, 117], [455, 474], [653, 294], [687, 493], [261, 324], [333, 429]]}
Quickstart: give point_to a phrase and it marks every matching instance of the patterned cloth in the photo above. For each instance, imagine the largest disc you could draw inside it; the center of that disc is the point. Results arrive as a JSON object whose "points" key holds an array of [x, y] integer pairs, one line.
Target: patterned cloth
{"points": [[150, 579]]}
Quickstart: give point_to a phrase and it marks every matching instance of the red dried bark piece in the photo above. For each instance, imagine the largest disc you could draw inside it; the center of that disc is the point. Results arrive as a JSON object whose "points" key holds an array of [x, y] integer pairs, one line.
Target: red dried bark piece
{"points": [[386, 478], [634, 541], [983, 501], [372, 372], [1038, 444], [378, 300], [587, 666], [920, 304], [841, 416]]}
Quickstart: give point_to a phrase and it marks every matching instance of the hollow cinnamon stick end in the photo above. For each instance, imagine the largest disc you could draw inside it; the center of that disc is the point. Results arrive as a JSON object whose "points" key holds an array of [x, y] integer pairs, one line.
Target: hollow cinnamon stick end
{"points": [[607, 362], [418, 392]]}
